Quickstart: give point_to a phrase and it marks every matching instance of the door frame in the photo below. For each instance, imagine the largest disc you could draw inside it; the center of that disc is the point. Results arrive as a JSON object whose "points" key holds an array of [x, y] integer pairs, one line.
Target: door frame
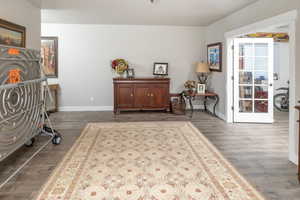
{"points": [[288, 18]]}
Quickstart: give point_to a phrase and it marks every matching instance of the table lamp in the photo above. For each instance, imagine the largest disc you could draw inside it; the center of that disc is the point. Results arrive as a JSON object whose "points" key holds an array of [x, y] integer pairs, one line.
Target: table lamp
{"points": [[202, 71]]}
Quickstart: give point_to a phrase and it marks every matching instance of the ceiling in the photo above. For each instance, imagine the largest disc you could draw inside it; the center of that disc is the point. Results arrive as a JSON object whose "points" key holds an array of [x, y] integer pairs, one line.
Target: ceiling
{"points": [[138, 12]]}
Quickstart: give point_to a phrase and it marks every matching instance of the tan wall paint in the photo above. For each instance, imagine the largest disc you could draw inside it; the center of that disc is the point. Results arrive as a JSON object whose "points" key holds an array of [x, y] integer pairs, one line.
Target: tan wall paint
{"points": [[25, 14]]}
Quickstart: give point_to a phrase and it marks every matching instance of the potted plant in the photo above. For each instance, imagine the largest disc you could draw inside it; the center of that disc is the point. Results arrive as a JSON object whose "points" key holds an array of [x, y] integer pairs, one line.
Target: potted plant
{"points": [[190, 86], [119, 66]]}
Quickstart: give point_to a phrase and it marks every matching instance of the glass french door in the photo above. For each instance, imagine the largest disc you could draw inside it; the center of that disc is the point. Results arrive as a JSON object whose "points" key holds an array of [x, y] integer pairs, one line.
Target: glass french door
{"points": [[253, 80]]}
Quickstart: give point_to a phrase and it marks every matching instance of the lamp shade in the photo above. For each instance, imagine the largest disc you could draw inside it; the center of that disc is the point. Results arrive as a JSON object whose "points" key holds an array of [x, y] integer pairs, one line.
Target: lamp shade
{"points": [[202, 68]]}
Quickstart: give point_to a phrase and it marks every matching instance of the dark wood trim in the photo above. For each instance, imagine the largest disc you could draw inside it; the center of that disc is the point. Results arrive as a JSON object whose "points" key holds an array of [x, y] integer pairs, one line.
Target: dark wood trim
{"points": [[55, 39], [175, 95], [14, 27], [140, 80], [221, 55]]}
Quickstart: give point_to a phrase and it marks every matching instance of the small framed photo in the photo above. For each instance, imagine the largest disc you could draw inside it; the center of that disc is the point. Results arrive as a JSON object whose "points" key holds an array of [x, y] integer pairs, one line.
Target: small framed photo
{"points": [[160, 69], [201, 88], [130, 73]]}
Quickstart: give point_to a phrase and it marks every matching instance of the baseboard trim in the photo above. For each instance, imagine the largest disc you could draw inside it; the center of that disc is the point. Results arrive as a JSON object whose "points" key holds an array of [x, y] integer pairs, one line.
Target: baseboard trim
{"points": [[201, 107], [110, 108], [221, 116], [293, 158], [84, 108]]}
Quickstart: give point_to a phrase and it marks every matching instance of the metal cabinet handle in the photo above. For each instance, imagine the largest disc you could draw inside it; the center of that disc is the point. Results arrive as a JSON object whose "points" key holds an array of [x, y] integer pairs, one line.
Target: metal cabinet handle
{"points": [[152, 95], [131, 95]]}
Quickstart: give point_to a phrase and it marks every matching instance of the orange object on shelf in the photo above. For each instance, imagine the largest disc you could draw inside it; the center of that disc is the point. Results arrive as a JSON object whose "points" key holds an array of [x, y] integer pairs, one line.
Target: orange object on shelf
{"points": [[14, 76], [13, 51]]}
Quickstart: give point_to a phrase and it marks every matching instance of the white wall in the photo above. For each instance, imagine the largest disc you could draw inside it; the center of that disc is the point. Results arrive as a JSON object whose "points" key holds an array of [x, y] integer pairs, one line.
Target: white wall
{"points": [[258, 11], [85, 53], [25, 14], [281, 65]]}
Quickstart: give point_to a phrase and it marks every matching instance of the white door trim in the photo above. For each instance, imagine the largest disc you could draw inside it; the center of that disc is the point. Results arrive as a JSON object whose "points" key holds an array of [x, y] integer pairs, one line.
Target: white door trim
{"points": [[289, 19], [279, 20]]}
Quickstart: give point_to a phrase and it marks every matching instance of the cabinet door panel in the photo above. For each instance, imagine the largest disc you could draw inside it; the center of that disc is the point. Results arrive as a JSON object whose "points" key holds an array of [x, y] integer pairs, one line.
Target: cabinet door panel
{"points": [[126, 96], [142, 96], [159, 96]]}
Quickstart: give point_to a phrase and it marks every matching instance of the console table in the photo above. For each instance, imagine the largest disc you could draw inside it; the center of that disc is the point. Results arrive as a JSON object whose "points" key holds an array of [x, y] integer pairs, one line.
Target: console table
{"points": [[141, 94], [191, 96], [298, 108]]}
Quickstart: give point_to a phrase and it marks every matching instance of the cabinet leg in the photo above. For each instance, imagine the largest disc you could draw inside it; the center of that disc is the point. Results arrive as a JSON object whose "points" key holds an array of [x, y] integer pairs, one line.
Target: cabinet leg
{"points": [[116, 112], [168, 109]]}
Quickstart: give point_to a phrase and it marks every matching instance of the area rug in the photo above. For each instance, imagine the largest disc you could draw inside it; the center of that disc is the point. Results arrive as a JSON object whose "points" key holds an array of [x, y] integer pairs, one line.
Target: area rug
{"points": [[145, 161]]}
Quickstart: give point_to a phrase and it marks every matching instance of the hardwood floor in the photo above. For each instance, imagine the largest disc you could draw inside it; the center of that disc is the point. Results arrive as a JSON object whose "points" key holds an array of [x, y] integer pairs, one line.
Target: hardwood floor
{"points": [[258, 151]]}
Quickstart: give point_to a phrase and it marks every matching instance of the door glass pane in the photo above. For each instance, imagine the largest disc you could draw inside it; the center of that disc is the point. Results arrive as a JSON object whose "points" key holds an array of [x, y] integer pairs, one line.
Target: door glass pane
{"points": [[246, 63], [261, 49], [261, 63], [253, 83], [246, 49], [246, 92], [261, 78], [261, 106], [261, 92], [246, 106], [246, 78]]}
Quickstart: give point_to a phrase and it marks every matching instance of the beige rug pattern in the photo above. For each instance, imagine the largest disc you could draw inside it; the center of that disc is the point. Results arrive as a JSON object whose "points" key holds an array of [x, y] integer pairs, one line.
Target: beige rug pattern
{"points": [[145, 161]]}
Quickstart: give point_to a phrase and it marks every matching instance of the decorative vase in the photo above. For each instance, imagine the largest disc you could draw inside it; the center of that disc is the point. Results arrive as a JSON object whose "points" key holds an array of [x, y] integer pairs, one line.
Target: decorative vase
{"points": [[190, 91], [119, 75]]}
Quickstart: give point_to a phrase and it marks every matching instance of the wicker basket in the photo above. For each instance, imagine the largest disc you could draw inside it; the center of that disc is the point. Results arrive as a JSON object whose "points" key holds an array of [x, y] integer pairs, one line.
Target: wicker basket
{"points": [[178, 106]]}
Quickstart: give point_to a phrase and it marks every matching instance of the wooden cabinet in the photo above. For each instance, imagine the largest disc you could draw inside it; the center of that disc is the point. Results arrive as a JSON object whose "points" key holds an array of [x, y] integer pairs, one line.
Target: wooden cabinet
{"points": [[141, 94]]}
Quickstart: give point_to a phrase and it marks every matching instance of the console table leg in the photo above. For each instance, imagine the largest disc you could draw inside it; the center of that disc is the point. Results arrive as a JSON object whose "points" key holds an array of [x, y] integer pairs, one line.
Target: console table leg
{"points": [[191, 106], [216, 103], [205, 106]]}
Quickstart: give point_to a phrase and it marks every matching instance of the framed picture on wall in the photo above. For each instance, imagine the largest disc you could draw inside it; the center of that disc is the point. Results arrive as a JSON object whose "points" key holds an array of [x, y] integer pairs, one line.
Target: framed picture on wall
{"points": [[49, 54], [214, 57], [160, 69], [12, 34]]}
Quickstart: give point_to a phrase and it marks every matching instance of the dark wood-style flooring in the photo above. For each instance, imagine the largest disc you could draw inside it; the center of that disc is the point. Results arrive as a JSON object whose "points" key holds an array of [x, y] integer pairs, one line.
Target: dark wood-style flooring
{"points": [[258, 151]]}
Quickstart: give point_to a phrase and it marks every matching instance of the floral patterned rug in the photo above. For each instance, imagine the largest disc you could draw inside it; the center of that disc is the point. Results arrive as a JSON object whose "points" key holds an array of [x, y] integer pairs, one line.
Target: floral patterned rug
{"points": [[145, 161]]}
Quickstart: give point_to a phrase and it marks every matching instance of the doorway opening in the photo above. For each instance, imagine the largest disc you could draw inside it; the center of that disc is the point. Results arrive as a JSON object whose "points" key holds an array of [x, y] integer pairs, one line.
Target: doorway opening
{"points": [[269, 82]]}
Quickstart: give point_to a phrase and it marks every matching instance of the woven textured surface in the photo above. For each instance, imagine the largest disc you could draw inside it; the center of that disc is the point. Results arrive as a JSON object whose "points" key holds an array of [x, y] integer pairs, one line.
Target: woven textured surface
{"points": [[145, 161]]}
